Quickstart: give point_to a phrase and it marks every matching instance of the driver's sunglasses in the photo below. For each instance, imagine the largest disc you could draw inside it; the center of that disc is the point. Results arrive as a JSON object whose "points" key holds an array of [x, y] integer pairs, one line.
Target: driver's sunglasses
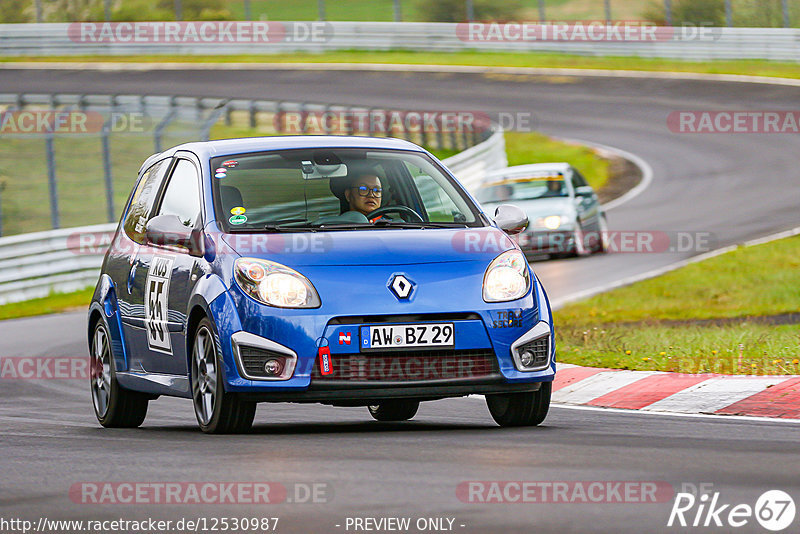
{"points": [[364, 191]]}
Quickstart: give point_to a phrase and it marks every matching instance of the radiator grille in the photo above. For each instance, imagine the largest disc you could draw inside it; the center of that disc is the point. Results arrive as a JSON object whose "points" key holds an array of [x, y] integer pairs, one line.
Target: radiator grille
{"points": [[412, 365]]}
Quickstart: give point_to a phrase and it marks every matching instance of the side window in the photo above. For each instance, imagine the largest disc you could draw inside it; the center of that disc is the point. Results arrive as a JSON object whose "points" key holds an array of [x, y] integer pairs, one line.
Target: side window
{"points": [[182, 197], [142, 200], [437, 202], [577, 179]]}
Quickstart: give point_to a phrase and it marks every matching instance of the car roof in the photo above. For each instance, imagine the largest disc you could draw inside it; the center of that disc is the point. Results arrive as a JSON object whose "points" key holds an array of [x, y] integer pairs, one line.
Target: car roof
{"points": [[520, 171], [209, 149]]}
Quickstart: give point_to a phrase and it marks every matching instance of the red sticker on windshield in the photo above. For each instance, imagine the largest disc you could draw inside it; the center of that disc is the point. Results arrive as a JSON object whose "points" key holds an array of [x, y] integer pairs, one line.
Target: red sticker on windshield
{"points": [[230, 163]]}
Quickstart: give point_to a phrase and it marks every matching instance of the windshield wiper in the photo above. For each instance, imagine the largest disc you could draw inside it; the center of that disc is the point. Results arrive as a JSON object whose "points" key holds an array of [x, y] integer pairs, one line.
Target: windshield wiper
{"points": [[407, 224], [288, 225]]}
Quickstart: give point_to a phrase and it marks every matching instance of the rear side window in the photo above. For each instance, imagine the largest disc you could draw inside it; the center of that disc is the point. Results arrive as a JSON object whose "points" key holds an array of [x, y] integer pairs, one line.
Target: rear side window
{"points": [[142, 200], [182, 197], [577, 179]]}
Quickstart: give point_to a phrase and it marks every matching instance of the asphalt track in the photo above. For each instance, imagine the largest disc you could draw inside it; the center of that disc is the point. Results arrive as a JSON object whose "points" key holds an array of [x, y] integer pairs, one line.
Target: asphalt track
{"points": [[736, 186]]}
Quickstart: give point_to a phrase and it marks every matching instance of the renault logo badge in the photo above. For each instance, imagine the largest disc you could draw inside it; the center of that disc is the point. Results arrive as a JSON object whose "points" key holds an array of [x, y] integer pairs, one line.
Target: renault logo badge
{"points": [[401, 286]]}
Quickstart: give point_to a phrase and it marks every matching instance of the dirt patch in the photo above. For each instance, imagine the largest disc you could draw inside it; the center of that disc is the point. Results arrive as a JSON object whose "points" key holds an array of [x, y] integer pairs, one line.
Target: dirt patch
{"points": [[623, 175]]}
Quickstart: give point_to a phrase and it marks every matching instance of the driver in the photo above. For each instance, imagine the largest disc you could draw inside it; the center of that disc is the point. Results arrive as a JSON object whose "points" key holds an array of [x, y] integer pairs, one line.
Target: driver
{"points": [[364, 194]]}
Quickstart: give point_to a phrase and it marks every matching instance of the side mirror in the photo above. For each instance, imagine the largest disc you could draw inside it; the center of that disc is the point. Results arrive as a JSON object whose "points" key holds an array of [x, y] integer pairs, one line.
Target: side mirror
{"points": [[510, 219], [584, 191], [168, 230]]}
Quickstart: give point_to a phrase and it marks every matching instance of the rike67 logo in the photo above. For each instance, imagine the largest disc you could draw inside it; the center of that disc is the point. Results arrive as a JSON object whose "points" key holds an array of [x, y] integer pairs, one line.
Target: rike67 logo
{"points": [[773, 510]]}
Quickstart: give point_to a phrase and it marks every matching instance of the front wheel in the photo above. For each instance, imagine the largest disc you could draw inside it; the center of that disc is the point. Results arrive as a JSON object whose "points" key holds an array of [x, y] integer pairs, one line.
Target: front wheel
{"points": [[602, 238], [114, 406], [217, 411], [520, 409], [394, 410]]}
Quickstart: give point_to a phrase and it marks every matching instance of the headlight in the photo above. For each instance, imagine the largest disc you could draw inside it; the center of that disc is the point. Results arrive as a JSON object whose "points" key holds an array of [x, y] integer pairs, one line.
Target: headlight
{"points": [[551, 222], [275, 284], [506, 278]]}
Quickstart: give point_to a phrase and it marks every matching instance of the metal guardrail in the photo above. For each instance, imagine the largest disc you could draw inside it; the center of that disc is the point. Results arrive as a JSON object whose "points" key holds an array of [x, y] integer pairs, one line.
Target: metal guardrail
{"points": [[697, 43], [38, 264]]}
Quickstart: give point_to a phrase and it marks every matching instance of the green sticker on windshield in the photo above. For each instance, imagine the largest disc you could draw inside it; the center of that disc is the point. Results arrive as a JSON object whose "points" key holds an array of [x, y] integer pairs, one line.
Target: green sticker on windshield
{"points": [[238, 219]]}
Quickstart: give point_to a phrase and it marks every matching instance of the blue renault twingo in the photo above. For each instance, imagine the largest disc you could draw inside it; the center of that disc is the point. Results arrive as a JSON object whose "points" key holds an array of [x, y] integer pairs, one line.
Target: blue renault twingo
{"points": [[347, 271]]}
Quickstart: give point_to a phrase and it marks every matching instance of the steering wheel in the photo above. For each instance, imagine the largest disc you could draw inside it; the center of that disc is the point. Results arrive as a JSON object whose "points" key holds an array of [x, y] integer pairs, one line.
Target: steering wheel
{"points": [[401, 210]]}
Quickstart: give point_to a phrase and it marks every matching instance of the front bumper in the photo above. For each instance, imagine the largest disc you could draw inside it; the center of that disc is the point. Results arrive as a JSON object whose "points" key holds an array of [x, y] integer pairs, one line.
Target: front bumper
{"points": [[481, 361], [547, 242]]}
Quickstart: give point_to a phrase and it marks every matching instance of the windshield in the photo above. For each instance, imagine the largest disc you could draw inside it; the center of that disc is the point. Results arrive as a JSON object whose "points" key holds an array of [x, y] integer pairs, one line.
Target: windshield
{"points": [[293, 190], [528, 188]]}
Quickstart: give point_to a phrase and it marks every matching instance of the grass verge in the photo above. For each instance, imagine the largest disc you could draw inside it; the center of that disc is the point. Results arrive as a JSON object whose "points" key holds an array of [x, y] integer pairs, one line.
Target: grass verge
{"points": [[57, 302], [630, 327], [491, 59]]}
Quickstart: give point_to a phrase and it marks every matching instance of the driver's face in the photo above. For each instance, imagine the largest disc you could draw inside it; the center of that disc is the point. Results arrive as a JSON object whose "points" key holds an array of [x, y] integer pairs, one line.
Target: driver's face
{"points": [[364, 204]]}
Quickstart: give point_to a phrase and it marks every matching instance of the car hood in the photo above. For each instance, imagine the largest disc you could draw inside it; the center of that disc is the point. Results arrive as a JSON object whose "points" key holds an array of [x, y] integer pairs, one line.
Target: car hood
{"points": [[539, 207], [372, 247]]}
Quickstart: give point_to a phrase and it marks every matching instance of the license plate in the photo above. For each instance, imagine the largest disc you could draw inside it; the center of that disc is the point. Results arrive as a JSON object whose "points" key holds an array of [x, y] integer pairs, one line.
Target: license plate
{"points": [[407, 335]]}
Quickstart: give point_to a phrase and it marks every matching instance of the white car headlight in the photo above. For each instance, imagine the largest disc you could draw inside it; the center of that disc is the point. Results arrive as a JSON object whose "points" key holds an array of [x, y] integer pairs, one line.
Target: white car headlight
{"points": [[506, 278], [551, 222], [275, 284]]}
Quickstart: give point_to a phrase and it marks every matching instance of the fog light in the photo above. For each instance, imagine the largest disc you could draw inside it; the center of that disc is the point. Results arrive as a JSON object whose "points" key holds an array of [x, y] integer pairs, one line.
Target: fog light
{"points": [[527, 358], [273, 367]]}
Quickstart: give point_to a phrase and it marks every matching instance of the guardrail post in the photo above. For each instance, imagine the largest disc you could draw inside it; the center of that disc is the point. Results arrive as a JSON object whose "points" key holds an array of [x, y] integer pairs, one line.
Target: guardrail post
{"points": [[728, 14], [321, 9], [248, 13], [51, 179], [667, 11], [608, 11], [159, 131], [785, 5], [541, 10], [253, 110], [407, 135], [38, 10], [212, 119], [279, 117], [470, 11], [398, 14], [2, 186], [107, 167]]}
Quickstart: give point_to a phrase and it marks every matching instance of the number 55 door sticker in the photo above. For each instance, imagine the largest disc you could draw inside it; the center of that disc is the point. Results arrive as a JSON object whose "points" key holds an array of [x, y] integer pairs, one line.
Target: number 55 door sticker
{"points": [[156, 304]]}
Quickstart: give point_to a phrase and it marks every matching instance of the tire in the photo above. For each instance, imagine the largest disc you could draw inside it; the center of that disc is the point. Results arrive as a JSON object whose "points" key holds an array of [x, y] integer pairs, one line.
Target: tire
{"points": [[217, 411], [520, 409], [602, 242], [580, 246], [114, 406], [394, 410]]}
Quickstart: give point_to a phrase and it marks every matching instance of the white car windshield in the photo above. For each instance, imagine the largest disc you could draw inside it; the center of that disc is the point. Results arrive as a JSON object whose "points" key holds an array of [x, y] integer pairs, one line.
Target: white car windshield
{"points": [[523, 189]]}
